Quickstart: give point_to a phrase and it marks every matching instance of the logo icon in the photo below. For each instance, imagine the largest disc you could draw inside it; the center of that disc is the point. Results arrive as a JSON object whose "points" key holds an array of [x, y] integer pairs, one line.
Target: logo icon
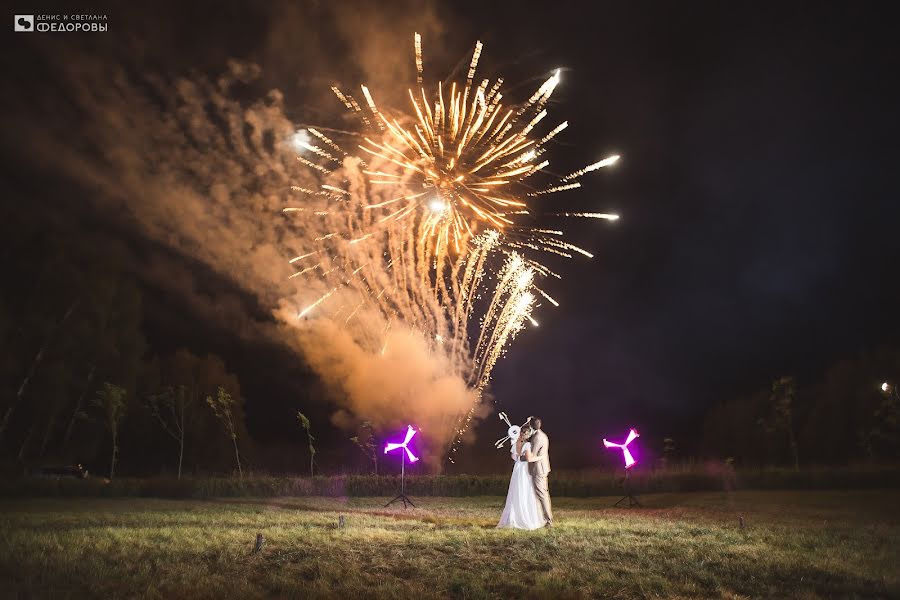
{"points": [[24, 23]]}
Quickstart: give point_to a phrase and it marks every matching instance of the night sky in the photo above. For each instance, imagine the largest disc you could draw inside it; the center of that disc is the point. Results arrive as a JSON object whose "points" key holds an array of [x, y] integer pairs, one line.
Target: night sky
{"points": [[758, 189]]}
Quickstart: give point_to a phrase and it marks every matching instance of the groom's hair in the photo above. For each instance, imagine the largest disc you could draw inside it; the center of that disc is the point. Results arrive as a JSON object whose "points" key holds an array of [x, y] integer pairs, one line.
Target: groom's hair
{"points": [[536, 423]]}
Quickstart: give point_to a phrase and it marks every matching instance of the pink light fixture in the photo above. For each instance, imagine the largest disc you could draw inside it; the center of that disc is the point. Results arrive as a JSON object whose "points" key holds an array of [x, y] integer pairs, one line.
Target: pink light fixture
{"points": [[410, 432], [629, 459]]}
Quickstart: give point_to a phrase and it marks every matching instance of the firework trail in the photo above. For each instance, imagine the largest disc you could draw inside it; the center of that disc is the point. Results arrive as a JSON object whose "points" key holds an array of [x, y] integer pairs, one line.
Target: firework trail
{"points": [[424, 220]]}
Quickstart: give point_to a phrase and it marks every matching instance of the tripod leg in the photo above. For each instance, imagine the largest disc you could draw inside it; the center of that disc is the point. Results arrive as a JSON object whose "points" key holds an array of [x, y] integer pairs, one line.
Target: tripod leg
{"points": [[401, 498]]}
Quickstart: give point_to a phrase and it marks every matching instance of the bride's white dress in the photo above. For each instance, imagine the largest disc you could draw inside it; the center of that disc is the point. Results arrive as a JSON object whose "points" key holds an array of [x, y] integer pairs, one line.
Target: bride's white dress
{"points": [[521, 510]]}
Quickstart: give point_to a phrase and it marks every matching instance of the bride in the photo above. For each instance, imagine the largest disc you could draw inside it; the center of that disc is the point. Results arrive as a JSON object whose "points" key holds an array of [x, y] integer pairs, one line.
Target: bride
{"points": [[521, 510]]}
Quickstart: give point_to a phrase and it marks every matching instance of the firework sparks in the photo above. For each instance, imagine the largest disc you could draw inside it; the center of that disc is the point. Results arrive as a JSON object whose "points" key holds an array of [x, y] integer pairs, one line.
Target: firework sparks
{"points": [[306, 310], [588, 215], [469, 153], [597, 165], [430, 200]]}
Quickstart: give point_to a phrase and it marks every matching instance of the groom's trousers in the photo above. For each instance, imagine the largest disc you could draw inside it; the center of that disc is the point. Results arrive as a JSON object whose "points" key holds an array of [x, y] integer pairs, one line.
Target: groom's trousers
{"points": [[543, 495]]}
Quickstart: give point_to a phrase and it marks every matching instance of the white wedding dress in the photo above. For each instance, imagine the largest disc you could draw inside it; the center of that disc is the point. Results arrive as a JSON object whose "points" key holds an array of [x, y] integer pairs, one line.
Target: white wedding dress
{"points": [[521, 510]]}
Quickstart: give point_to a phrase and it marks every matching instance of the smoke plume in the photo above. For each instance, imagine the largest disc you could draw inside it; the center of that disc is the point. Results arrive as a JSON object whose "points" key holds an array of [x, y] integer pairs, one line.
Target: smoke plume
{"points": [[203, 166]]}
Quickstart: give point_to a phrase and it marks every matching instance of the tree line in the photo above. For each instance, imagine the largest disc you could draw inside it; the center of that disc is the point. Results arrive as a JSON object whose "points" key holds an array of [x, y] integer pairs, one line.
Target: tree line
{"points": [[850, 414], [77, 381], [79, 388]]}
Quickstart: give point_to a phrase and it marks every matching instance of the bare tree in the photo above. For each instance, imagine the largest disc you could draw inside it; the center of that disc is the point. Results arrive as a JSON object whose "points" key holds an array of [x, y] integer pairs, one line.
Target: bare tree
{"points": [[223, 405], [169, 407], [111, 400], [109, 337], [305, 424], [79, 403], [32, 367]]}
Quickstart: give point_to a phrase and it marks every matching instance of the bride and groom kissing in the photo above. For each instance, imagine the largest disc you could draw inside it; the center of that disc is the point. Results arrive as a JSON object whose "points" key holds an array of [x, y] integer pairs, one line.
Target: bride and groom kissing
{"points": [[528, 498]]}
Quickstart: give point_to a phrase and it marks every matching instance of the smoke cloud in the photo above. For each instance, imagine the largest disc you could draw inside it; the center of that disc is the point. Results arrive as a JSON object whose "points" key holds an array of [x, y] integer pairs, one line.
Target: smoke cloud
{"points": [[191, 164], [403, 382]]}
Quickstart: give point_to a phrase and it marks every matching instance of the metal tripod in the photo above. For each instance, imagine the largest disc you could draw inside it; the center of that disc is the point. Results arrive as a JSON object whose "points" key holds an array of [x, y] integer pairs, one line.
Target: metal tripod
{"points": [[632, 501], [402, 497]]}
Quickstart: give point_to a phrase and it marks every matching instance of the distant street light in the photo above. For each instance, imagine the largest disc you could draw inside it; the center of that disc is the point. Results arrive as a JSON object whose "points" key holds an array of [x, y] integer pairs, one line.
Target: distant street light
{"points": [[885, 387]]}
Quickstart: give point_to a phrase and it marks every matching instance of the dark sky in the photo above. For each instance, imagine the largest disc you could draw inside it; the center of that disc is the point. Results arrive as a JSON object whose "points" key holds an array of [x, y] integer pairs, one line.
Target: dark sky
{"points": [[758, 189], [760, 225]]}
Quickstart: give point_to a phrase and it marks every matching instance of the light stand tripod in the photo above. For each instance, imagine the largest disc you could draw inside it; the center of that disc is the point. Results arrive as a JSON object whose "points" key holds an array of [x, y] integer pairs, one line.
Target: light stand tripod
{"points": [[632, 501], [402, 496]]}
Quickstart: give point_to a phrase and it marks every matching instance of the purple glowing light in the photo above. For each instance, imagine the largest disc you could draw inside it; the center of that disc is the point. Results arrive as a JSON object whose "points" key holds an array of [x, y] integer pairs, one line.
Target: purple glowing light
{"points": [[629, 459], [410, 432]]}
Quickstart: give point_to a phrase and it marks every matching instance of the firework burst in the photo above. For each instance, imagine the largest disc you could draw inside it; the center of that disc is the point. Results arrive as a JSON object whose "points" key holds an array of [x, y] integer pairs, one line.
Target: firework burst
{"points": [[426, 219]]}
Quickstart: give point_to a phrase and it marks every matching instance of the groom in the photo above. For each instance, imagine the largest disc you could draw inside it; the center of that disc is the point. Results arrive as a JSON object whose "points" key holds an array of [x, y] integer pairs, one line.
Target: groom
{"points": [[539, 467]]}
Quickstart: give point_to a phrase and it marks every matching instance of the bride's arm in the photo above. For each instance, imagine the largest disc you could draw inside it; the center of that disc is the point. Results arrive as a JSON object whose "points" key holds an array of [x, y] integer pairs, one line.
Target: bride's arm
{"points": [[516, 450]]}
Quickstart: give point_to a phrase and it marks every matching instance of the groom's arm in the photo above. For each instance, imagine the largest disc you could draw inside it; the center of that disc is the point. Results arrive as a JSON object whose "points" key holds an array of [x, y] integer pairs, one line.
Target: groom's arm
{"points": [[536, 455], [526, 456]]}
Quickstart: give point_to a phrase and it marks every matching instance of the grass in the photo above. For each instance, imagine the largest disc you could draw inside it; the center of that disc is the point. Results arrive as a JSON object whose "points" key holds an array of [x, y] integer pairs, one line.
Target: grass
{"points": [[794, 545]]}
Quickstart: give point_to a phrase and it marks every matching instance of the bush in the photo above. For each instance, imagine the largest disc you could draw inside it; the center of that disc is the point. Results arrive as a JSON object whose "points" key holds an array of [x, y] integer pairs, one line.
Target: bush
{"points": [[691, 478]]}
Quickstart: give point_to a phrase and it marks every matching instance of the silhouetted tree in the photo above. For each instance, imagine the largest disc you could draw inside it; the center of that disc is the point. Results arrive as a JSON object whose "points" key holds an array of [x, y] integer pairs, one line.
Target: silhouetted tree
{"points": [[882, 438], [34, 363], [107, 339], [53, 392], [71, 318], [169, 407], [728, 429], [304, 423], [781, 413], [668, 450], [366, 444], [222, 405], [111, 401]]}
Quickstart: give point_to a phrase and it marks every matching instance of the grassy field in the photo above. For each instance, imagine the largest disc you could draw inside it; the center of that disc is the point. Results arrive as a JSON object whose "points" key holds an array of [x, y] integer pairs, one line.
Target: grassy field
{"points": [[793, 545]]}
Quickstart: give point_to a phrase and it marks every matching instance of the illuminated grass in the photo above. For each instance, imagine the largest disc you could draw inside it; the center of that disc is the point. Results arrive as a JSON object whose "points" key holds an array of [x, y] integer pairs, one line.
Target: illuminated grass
{"points": [[795, 544]]}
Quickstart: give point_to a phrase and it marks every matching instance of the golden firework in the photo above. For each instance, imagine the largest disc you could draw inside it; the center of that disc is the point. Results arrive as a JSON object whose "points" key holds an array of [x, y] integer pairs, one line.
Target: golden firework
{"points": [[460, 158], [408, 224]]}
